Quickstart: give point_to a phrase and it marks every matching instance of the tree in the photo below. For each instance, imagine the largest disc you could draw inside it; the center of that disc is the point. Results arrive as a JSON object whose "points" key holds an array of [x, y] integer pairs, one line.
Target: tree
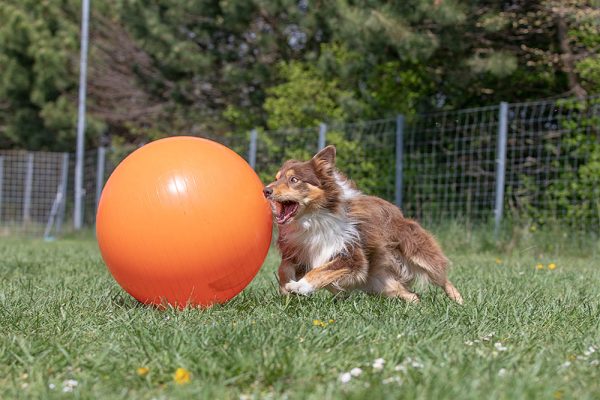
{"points": [[39, 57], [37, 40], [159, 67]]}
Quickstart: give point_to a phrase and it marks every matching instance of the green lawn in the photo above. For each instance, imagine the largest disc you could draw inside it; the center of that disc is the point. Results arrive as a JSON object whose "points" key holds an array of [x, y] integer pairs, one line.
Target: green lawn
{"points": [[522, 333]]}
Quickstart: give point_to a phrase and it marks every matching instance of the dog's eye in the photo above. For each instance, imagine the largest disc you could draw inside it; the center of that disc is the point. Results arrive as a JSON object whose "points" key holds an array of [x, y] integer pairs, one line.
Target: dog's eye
{"points": [[293, 179]]}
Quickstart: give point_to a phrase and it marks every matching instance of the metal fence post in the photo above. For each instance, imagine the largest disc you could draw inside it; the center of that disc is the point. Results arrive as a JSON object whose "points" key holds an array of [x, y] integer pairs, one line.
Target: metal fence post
{"points": [[27, 191], [399, 158], [58, 206], [322, 135], [500, 165], [101, 161], [64, 181], [1, 183], [252, 150], [79, 191]]}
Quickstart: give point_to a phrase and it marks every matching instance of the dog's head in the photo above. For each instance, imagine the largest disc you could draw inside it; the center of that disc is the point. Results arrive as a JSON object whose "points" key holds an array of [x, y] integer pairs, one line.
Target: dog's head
{"points": [[301, 187]]}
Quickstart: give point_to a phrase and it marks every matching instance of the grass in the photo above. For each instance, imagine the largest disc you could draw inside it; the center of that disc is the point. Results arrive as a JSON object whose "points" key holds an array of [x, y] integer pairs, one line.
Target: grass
{"points": [[522, 333]]}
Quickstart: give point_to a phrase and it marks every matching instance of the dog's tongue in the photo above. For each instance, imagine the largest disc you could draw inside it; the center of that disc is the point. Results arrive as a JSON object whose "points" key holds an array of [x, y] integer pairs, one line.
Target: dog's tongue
{"points": [[285, 211]]}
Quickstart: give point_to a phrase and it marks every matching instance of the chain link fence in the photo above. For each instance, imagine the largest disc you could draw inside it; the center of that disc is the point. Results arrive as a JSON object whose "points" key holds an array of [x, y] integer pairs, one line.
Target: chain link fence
{"points": [[534, 162], [450, 165], [553, 159]]}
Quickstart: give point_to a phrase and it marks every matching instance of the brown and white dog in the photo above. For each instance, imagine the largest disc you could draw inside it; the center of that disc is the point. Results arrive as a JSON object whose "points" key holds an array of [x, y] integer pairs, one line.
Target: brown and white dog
{"points": [[335, 237]]}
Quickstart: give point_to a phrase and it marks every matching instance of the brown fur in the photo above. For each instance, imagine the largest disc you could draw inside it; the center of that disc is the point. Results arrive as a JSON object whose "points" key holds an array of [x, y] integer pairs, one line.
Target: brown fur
{"points": [[340, 239]]}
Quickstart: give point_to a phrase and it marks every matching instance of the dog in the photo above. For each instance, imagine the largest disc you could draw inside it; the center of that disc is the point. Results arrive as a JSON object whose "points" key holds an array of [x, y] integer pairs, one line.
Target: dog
{"points": [[333, 236]]}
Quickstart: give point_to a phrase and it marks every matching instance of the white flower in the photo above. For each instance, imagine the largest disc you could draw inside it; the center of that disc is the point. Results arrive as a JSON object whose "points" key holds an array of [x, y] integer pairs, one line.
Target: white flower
{"points": [[400, 368], [500, 347], [594, 362], [52, 386], [416, 364], [469, 343], [345, 377], [502, 372], [589, 351], [378, 364], [566, 364], [392, 379], [488, 337], [69, 385], [356, 371]]}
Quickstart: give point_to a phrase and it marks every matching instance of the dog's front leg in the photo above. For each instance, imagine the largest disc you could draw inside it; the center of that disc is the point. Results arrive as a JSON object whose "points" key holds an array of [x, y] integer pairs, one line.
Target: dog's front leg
{"points": [[287, 273], [345, 270]]}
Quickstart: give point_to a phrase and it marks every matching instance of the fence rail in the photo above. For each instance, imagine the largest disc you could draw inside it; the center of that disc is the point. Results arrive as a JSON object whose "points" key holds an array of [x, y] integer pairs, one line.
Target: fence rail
{"points": [[535, 162]]}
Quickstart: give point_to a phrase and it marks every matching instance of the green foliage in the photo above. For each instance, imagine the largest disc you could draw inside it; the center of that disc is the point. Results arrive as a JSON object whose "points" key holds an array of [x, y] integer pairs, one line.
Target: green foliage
{"points": [[589, 70], [499, 64], [305, 98], [217, 59], [39, 74], [397, 88], [573, 197], [577, 192], [310, 94], [276, 147], [220, 68], [366, 158]]}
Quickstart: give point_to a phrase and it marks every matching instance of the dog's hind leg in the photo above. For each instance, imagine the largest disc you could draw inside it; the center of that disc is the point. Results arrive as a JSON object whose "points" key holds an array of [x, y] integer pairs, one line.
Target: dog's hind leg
{"points": [[434, 267], [343, 271], [452, 292], [390, 287], [384, 280], [423, 253]]}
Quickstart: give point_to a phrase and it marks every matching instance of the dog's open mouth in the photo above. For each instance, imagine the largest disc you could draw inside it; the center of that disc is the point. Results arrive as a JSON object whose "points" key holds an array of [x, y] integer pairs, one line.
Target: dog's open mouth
{"points": [[285, 211]]}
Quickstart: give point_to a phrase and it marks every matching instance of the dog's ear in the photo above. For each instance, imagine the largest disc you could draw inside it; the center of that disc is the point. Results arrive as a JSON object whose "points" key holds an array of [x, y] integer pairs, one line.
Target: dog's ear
{"points": [[325, 157]]}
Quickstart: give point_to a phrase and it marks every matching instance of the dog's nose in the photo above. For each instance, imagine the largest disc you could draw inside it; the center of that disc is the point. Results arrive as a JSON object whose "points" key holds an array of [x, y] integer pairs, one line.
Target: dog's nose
{"points": [[267, 191]]}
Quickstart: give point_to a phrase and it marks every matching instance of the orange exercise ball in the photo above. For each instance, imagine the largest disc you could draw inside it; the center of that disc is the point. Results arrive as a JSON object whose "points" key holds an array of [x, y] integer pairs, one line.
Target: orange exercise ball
{"points": [[183, 221]]}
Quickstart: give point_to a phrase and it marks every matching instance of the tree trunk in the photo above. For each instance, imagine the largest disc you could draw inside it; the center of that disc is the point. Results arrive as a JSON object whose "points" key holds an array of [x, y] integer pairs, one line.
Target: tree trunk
{"points": [[566, 55]]}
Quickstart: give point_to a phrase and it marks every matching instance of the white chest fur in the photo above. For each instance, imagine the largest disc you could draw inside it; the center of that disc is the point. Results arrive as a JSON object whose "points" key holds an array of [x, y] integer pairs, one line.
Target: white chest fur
{"points": [[317, 238]]}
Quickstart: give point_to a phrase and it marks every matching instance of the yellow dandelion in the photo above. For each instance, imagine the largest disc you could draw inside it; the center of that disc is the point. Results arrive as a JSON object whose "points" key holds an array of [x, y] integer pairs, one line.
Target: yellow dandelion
{"points": [[317, 322], [551, 266], [142, 371], [539, 266], [558, 395], [498, 261], [331, 321], [182, 376]]}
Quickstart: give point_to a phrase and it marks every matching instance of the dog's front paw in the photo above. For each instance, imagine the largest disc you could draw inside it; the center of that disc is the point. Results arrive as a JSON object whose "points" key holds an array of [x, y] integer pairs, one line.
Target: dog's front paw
{"points": [[283, 291], [300, 287]]}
